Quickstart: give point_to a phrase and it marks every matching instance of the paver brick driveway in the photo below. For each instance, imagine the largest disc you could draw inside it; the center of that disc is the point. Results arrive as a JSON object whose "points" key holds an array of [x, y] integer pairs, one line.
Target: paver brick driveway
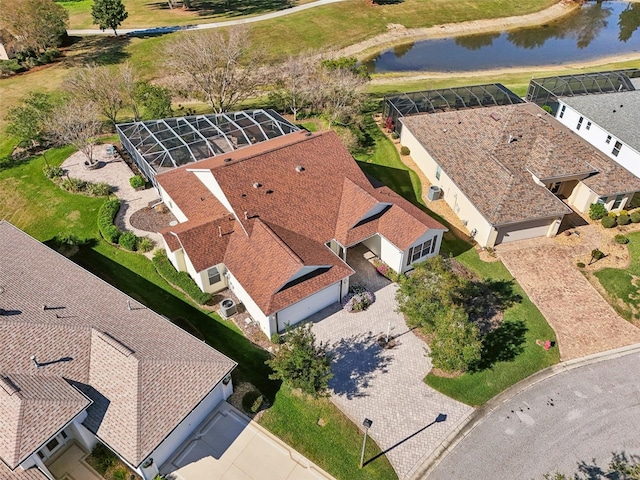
{"points": [[583, 321], [386, 385]]}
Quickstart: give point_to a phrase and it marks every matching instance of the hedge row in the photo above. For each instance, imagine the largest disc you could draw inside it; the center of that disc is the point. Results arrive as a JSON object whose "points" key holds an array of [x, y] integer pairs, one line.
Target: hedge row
{"points": [[106, 215], [181, 280]]}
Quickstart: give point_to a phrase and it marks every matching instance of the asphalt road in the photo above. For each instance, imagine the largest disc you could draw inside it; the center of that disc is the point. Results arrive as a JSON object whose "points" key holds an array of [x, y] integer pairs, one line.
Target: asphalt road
{"points": [[578, 417]]}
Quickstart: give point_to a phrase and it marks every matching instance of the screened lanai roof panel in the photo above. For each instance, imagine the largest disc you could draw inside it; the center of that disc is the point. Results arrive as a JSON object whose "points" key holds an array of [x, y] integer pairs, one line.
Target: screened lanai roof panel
{"points": [[171, 142]]}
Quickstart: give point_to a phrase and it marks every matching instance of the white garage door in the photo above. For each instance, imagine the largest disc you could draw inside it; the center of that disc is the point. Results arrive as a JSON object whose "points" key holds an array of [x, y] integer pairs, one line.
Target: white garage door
{"points": [[521, 231], [310, 305]]}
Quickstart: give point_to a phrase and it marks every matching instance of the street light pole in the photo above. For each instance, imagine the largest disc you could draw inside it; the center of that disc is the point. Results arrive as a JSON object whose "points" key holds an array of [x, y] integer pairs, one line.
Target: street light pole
{"points": [[367, 425]]}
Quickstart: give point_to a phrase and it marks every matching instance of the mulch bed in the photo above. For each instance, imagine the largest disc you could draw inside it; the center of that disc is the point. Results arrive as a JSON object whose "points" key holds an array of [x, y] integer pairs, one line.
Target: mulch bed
{"points": [[152, 219]]}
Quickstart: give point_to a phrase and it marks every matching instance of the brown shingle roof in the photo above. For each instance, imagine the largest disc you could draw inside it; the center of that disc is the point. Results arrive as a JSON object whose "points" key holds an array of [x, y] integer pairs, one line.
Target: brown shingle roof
{"points": [[490, 153], [143, 373], [32, 409], [298, 192]]}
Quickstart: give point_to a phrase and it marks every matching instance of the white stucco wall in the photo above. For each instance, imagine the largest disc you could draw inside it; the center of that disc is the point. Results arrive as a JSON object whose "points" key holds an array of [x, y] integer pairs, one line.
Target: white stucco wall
{"points": [[374, 243], [434, 236], [597, 136], [168, 201], [204, 279], [304, 308], [267, 325], [185, 428], [582, 197], [459, 203]]}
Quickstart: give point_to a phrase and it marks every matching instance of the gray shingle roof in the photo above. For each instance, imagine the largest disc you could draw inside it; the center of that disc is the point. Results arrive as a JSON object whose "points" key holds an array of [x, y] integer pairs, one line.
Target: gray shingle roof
{"points": [[143, 374], [491, 153], [618, 113]]}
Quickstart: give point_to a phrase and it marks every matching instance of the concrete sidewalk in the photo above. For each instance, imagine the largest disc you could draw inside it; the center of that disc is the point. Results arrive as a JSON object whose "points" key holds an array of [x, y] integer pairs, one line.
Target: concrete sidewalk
{"points": [[229, 446]]}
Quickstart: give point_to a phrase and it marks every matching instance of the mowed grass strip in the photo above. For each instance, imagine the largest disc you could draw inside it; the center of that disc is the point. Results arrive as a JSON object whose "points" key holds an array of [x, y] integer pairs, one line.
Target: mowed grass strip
{"points": [[514, 353], [621, 284]]}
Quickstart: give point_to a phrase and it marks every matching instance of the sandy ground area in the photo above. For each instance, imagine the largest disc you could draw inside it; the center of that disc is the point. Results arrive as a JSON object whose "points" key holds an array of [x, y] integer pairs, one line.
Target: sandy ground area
{"points": [[398, 34]]}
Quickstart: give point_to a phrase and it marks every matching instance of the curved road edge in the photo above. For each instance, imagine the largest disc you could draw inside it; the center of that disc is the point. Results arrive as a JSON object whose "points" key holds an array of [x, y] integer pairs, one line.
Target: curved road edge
{"points": [[476, 417]]}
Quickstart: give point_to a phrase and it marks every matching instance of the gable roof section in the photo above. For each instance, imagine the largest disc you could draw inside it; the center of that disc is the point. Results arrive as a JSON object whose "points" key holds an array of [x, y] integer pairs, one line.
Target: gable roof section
{"points": [[616, 112], [33, 408], [491, 154], [143, 374]]}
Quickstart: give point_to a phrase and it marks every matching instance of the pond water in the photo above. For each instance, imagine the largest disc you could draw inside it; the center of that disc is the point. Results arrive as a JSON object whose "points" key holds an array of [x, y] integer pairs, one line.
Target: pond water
{"points": [[596, 30]]}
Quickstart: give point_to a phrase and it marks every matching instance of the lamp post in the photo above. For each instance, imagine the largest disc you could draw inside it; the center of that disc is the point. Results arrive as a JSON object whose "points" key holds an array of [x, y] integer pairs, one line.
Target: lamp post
{"points": [[367, 425]]}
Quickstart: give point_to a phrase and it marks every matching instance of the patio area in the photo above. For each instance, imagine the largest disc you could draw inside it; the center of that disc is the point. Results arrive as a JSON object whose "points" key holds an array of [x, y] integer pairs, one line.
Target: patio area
{"points": [[71, 465], [366, 274]]}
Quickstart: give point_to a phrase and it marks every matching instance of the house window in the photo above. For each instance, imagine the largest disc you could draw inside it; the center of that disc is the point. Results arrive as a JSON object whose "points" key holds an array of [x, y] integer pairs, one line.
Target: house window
{"points": [[419, 251], [214, 275], [608, 139], [616, 149], [51, 446], [438, 172], [603, 200], [579, 123], [564, 107], [588, 127], [618, 201]]}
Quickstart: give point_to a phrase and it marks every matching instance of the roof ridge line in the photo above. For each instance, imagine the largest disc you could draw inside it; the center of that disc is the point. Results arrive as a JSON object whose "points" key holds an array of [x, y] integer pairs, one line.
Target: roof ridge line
{"points": [[282, 243]]}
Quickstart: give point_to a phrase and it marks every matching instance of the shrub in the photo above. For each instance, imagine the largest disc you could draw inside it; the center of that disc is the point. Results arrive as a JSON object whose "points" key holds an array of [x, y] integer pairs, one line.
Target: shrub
{"points": [[358, 299], [104, 458], [301, 363], [623, 212], [53, 171], [120, 473], [10, 67], [106, 215], [621, 239], [597, 254], [623, 220], [456, 345], [73, 185], [137, 181], [608, 222], [395, 135], [182, 280], [128, 240], [145, 244], [581, 265], [547, 108], [635, 216], [276, 338], [612, 214], [388, 272], [98, 189], [404, 150], [257, 404], [597, 211]]}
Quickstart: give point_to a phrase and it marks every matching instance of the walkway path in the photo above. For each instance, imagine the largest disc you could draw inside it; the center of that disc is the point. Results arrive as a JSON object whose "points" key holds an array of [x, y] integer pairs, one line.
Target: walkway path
{"points": [[386, 386], [583, 321]]}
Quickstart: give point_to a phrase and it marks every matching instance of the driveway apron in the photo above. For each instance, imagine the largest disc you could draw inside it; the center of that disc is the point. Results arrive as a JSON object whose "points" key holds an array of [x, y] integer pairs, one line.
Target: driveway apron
{"points": [[583, 321]]}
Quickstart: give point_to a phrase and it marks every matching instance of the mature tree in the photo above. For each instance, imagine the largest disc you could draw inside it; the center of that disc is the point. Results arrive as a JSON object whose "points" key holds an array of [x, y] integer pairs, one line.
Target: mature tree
{"points": [[155, 100], [428, 293], [220, 69], [29, 120], [76, 122], [295, 83], [104, 86], [456, 345], [343, 95], [34, 24], [108, 14], [301, 363]]}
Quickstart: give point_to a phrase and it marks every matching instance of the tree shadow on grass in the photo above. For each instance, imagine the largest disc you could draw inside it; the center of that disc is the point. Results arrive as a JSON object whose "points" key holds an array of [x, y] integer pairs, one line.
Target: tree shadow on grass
{"points": [[99, 49], [356, 360], [250, 358], [229, 8], [483, 300], [502, 344]]}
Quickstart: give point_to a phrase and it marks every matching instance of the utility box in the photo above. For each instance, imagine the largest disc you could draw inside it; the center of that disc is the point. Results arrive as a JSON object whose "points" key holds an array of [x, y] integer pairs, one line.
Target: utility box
{"points": [[434, 192]]}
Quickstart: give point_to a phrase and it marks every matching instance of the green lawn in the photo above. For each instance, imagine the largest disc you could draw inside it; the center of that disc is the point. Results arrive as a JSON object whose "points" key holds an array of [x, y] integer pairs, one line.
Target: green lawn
{"points": [[622, 284], [36, 205], [513, 349]]}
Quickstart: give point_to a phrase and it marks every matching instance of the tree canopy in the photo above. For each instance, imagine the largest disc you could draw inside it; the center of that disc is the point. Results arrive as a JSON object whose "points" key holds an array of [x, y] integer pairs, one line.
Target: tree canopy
{"points": [[34, 25], [108, 14]]}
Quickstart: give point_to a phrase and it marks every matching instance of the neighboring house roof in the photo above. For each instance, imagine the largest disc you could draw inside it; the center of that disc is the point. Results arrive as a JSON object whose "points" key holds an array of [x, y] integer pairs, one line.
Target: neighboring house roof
{"points": [[618, 113], [143, 374], [289, 196], [491, 153]]}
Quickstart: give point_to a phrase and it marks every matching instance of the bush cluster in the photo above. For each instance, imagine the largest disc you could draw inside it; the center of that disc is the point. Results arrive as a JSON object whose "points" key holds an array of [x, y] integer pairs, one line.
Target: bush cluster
{"points": [[181, 280], [597, 254], [137, 181], [128, 240], [75, 185], [597, 211], [404, 150], [621, 239], [53, 171], [623, 219], [358, 299], [608, 222], [581, 264], [106, 214], [145, 244], [388, 272], [635, 216]]}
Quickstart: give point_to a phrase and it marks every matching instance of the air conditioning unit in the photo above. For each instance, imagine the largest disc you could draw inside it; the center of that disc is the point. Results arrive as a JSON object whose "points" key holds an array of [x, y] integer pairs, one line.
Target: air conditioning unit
{"points": [[228, 308]]}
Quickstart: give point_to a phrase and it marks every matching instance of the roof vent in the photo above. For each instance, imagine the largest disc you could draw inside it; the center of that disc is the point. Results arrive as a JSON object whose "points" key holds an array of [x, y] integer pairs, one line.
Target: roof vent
{"points": [[614, 110], [269, 191], [299, 168], [257, 185], [228, 159], [243, 195], [35, 361], [308, 134], [495, 116]]}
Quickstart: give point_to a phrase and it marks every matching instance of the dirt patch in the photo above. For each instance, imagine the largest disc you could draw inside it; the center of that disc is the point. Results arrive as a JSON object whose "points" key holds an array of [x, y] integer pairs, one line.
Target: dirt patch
{"points": [[151, 219]]}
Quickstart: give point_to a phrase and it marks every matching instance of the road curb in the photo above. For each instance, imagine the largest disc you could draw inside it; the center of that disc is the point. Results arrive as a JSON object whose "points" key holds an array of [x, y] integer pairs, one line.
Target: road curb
{"points": [[478, 415]]}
